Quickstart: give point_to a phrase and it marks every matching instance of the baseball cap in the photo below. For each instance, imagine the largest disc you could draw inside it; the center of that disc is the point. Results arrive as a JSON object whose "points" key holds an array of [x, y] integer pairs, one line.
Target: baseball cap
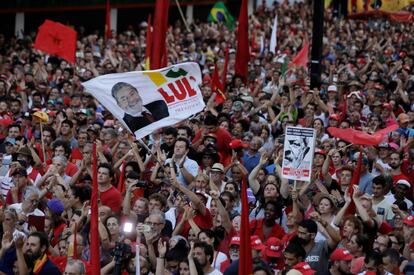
{"points": [[235, 241], [387, 106], [237, 106], [409, 220], [335, 117], [332, 88], [55, 206], [237, 143], [247, 98], [403, 182], [304, 268], [217, 167], [341, 254], [274, 247], [384, 145], [403, 118], [320, 151], [256, 243]]}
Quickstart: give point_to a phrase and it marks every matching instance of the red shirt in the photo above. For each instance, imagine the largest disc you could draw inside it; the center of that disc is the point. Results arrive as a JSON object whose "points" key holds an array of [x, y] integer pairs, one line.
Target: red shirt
{"points": [[204, 222], [112, 198], [223, 141], [256, 227], [9, 197]]}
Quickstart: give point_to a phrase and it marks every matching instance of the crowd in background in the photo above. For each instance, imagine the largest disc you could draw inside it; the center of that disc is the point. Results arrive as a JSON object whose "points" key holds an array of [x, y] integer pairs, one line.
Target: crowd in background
{"points": [[181, 200]]}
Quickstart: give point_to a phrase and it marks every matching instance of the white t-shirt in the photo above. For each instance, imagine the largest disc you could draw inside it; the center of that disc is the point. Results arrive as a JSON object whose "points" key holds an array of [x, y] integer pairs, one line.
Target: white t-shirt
{"points": [[221, 257], [383, 209], [215, 272]]}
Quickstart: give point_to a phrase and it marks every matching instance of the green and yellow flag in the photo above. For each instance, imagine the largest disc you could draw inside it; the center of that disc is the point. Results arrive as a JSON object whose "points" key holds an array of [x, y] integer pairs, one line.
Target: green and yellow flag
{"points": [[219, 13]]}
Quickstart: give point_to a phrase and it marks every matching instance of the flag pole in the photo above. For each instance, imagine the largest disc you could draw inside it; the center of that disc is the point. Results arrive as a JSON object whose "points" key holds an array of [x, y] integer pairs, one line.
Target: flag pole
{"points": [[43, 144], [182, 16]]}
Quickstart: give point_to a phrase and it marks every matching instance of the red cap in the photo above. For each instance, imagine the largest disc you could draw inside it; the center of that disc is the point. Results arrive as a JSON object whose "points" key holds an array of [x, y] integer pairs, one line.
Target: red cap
{"points": [[341, 254], [335, 117], [235, 241], [304, 268], [409, 220], [320, 151], [256, 243], [387, 106], [274, 247], [237, 143]]}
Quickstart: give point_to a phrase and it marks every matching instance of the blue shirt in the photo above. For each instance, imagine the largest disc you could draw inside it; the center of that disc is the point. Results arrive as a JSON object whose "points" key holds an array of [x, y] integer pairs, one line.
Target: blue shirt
{"points": [[365, 183], [250, 162]]}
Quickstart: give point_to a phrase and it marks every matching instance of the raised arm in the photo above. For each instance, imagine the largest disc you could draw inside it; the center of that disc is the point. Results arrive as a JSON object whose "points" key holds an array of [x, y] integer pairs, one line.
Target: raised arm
{"points": [[225, 217], [253, 182]]}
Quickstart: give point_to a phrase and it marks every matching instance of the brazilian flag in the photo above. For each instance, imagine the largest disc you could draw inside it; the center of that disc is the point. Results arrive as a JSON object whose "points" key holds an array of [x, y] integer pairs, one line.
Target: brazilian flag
{"points": [[219, 13]]}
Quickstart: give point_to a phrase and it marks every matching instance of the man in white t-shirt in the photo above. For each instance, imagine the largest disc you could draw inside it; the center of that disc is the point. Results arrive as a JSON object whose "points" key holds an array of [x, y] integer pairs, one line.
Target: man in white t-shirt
{"points": [[380, 203]]}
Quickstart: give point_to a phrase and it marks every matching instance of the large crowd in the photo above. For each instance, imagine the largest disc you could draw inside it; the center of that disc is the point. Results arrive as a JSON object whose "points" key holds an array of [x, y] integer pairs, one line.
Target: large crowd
{"points": [[176, 201]]}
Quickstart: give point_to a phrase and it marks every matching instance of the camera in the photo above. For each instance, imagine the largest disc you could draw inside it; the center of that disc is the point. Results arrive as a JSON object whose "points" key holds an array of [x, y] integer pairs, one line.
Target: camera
{"points": [[141, 184], [122, 254]]}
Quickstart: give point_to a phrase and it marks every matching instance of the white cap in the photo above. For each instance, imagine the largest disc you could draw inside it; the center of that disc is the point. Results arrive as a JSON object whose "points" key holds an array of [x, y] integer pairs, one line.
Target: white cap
{"points": [[403, 182], [332, 88]]}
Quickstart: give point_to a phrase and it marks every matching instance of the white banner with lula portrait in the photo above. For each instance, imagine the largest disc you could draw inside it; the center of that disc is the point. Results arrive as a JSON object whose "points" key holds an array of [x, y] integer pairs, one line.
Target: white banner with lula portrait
{"points": [[299, 147], [149, 100]]}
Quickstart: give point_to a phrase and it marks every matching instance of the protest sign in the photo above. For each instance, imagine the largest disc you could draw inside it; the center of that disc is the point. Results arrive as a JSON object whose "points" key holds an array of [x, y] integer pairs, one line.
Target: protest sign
{"points": [[298, 153], [146, 101]]}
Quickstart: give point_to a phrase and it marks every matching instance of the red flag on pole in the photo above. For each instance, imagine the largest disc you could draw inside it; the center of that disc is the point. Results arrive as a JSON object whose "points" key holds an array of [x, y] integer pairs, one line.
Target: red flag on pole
{"points": [[354, 181], [94, 247], [121, 184], [57, 39], [302, 59], [245, 254], [159, 33], [217, 87], [108, 33], [226, 65], [242, 54], [149, 45]]}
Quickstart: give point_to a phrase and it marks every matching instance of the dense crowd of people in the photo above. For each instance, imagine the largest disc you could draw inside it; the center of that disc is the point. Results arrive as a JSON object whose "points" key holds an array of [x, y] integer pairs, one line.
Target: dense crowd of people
{"points": [[176, 201]]}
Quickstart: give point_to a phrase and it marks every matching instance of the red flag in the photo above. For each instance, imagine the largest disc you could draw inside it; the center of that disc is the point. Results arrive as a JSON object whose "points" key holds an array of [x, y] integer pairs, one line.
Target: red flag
{"points": [[164, 59], [160, 33], [226, 64], [94, 247], [149, 45], [361, 138], [242, 54], [57, 39], [302, 59], [245, 254], [108, 33], [354, 181], [217, 87], [121, 184]]}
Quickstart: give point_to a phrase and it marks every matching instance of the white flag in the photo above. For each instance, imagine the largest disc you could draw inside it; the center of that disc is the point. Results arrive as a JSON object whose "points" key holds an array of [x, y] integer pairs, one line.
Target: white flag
{"points": [[146, 101], [273, 38]]}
